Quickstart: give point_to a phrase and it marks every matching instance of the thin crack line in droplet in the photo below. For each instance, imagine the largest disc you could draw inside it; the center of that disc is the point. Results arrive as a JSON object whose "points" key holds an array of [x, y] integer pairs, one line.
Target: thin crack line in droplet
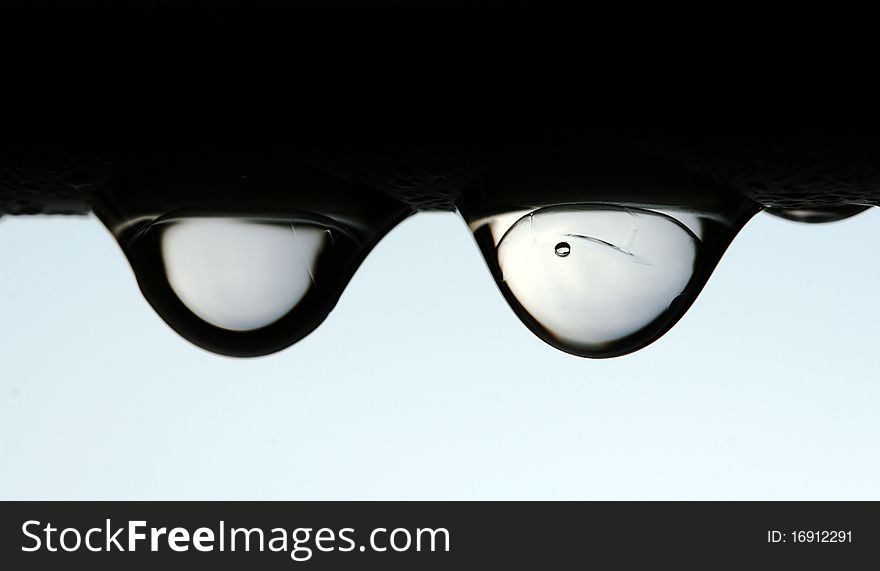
{"points": [[631, 239], [634, 257], [302, 256]]}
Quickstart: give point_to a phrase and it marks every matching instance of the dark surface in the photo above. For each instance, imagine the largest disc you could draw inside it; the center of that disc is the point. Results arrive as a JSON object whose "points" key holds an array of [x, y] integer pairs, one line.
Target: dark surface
{"points": [[59, 183], [416, 100]]}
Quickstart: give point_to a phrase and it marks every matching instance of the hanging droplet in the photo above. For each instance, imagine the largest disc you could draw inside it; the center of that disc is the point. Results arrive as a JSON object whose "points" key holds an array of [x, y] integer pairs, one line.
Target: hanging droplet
{"points": [[600, 254], [818, 215], [629, 272], [243, 285], [243, 254], [629, 266]]}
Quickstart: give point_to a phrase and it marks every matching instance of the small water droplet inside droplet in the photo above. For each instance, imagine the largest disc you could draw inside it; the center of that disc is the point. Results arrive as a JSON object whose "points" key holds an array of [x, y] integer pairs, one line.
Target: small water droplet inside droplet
{"points": [[563, 249]]}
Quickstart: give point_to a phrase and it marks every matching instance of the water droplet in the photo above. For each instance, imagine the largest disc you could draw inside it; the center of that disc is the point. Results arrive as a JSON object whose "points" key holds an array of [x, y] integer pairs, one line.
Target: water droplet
{"points": [[243, 285], [628, 268], [818, 215], [641, 236], [630, 272], [246, 254]]}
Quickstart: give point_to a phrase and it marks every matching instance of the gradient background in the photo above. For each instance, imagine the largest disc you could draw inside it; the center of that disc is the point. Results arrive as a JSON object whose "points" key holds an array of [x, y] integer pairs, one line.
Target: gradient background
{"points": [[422, 384]]}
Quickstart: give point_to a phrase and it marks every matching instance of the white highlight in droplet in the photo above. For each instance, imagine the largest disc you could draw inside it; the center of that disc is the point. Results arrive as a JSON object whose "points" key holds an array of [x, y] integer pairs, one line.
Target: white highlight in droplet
{"points": [[622, 270], [240, 274]]}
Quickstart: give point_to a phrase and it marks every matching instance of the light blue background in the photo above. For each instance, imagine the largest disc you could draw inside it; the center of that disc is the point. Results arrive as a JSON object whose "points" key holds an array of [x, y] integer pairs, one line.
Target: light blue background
{"points": [[422, 384]]}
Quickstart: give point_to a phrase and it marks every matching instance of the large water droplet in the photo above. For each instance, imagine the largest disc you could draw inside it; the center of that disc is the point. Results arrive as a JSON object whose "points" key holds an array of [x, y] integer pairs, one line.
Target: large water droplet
{"points": [[246, 253], [622, 269], [238, 274], [243, 285], [600, 254]]}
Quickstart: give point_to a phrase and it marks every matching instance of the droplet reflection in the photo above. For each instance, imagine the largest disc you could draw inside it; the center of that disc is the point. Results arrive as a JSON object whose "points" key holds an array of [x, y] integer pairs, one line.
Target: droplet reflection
{"points": [[238, 274]]}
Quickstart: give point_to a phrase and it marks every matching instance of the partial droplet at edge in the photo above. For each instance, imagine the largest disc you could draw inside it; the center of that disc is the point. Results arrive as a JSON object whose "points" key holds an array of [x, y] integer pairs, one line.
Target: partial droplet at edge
{"points": [[818, 215]]}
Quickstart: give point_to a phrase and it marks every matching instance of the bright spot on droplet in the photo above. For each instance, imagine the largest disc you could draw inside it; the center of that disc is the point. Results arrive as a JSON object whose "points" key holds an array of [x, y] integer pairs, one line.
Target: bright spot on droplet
{"points": [[241, 274], [623, 269]]}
